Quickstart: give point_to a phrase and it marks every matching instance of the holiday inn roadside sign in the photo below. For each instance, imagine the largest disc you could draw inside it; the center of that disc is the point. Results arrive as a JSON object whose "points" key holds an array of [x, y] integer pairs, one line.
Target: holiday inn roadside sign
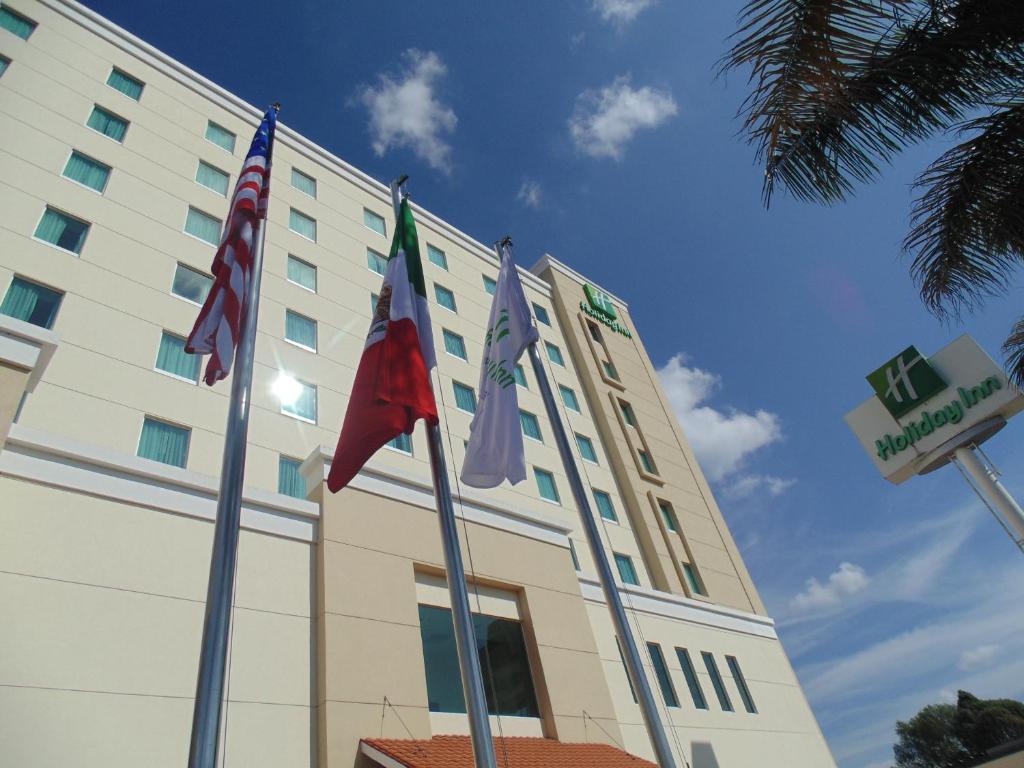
{"points": [[924, 408]]}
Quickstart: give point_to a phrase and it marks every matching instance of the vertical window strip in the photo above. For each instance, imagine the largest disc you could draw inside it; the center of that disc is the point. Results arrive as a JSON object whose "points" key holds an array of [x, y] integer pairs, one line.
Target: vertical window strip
{"points": [[741, 684], [661, 672], [716, 681], [692, 682], [574, 556], [668, 515], [693, 581], [625, 669], [32, 303]]}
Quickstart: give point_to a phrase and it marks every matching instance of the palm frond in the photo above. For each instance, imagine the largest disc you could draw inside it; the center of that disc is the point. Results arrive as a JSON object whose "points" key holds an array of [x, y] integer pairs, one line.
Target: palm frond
{"points": [[1013, 350], [967, 229]]}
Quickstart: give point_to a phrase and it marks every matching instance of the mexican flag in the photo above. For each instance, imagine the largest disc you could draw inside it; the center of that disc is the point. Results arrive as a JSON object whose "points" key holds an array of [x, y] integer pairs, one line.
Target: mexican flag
{"points": [[392, 387]]}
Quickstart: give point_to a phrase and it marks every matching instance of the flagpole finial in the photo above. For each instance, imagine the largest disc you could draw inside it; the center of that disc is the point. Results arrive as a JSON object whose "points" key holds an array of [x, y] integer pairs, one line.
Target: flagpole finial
{"points": [[401, 179], [505, 242], [276, 106]]}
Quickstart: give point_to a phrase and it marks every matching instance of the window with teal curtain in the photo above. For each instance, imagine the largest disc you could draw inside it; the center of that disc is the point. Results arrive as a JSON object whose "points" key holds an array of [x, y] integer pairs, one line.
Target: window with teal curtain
{"points": [[85, 170], [32, 303], [692, 580], [530, 425], [62, 230], [647, 462], [300, 329], [164, 442], [569, 398], [402, 443], [305, 404], [22, 26], [554, 353], [465, 397], [303, 183], [454, 344], [302, 273], [490, 284], [4, 61], [302, 224], [520, 375], [546, 484], [609, 370], [374, 222], [668, 515], [191, 284], [626, 570], [541, 314], [173, 359], [203, 225], [605, 506], [376, 262], [586, 448], [437, 256], [212, 178], [289, 480], [627, 413], [125, 83], [696, 692], [661, 672], [222, 137], [107, 123], [444, 297]]}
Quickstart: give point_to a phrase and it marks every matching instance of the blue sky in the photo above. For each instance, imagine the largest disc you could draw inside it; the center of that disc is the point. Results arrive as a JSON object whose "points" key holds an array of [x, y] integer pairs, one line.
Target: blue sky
{"points": [[596, 130]]}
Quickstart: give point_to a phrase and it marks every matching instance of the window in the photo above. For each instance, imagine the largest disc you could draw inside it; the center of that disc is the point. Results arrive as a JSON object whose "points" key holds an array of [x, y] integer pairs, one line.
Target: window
{"points": [[304, 406], [454, 344], [692, 580], [595, 332], [289, 480], [302, 224], [530, 425], [691, 679], [374, 298], [465, 397], [376, 262], [627, 413], [546, 485], [626, 570], [300, 330], [203, 225], [303, 183], [625, 669], [86, 171], [107, 123], [741, 684], [647, 463], [520, 375], [222, 137], [444, 297], [661, 671], [375, 222], [125, 83], [541, 314], [301, 273], [32, 303], [212, 178], [164, 442], [61, 230], [609, 370], [554, 353], [569, 398], [401, 443], [668, 515], [501, 648], [20, 25], [4, 62], [437, 256], [605, 506], [716, 681], [586, 446], [173, 359], [191, 284], [574, 556], [490, 284]]}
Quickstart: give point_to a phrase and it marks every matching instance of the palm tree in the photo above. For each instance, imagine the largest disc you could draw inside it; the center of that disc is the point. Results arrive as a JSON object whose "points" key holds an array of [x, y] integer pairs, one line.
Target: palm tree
{"points": [[839, 87]]}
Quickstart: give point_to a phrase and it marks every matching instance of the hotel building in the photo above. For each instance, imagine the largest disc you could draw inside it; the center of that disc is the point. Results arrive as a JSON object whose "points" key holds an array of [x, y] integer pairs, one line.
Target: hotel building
{"points": [[117, 163]]}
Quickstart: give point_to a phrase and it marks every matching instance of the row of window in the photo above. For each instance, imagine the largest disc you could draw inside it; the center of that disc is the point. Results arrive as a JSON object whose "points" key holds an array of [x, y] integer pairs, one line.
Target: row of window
{"points": [[668, 691]]}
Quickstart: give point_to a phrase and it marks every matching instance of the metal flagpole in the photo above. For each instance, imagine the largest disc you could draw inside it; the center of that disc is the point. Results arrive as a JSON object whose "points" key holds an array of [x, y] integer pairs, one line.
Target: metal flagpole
{"points": [[217, 624], [993, 493], [634, 666], [465, 636]]}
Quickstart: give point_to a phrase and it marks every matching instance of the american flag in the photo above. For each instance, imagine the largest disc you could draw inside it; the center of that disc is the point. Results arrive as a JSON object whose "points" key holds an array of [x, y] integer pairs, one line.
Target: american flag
{"points": [[219, 323]]}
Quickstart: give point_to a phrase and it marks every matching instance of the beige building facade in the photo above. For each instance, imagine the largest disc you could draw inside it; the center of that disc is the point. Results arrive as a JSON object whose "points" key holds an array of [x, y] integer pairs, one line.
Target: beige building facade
{"points": [[115, 168]]}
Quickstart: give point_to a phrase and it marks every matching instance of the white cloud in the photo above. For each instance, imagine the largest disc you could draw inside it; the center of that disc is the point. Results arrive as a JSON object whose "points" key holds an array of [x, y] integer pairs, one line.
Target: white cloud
{"points": [[847, 580], [746, 486], [722, 440], [620, 12], [530, 193], [977, 657], [406, 113], [605, 120]]}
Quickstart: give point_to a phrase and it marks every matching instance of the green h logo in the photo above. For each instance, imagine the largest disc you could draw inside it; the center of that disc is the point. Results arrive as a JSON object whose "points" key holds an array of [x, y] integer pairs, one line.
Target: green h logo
{"points": [[600, 301], [905, 382]]}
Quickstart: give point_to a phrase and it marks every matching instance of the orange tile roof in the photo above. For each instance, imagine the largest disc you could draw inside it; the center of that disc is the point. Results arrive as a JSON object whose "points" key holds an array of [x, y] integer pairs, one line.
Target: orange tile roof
{"points": [[511, 752]]}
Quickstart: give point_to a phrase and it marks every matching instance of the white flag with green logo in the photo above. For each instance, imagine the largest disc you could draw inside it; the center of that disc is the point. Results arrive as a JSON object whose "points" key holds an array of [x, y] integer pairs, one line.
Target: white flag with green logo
{"points": [[495, 451]]}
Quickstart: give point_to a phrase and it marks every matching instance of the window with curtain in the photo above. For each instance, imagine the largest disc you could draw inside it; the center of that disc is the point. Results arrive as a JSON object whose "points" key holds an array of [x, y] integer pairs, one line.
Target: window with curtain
{"points": [[125, 83], [22, 26], [668, 515], [303, 182], [647, 462], [191, 284], [627, 572], [31, 302], [690, 674], [402, 443], [716, 681], [444, 297], [587, 450], [520, 375], [212, 178], [554, 353], [374, 221], [289, 480], [374, 298], [693, 580], [741, 684], [173, 359], [376, 262], [609, 370], [541, 314], [62, 230], [220, 136], [86, 171], [465, 397], [302, 224], [164, 442], [627, 413], [569, 398], [4, 62], [107, 123], [604, 505], [203, 225], [530, 425], [454, 344], [305, 404], [668, 691], [490, 284], [546, 485], [437, 256], [300, 329], [301, 273]]}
